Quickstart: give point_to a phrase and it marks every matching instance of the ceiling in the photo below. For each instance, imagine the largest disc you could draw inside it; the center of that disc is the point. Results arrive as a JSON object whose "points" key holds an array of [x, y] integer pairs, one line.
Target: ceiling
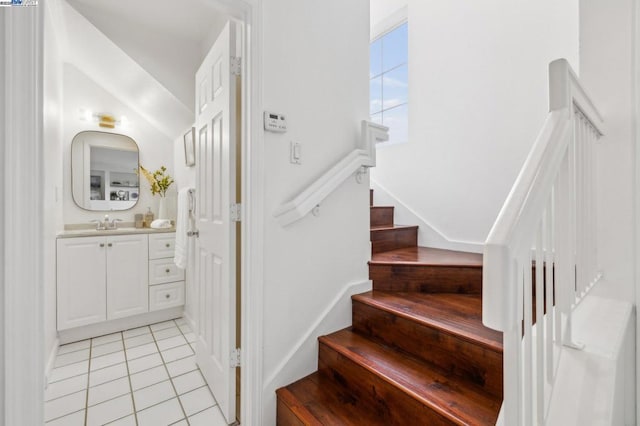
{"points": [[168, 39]]}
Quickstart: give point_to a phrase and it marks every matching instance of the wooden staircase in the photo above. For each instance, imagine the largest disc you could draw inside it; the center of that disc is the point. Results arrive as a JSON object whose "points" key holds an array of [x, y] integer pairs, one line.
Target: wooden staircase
{"points": [[417, 352]]}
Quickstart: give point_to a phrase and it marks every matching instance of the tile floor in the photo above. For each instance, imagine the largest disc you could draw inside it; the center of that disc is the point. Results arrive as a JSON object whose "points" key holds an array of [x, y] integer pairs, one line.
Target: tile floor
{"points": [[143, 376]]}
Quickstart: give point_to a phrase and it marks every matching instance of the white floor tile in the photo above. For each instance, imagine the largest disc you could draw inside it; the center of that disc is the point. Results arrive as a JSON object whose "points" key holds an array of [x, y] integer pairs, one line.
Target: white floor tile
{"points": [[75, 419], [107, 374], [197, 400], [71, 357], [190, 336], [176, 353], [162, 325], [65, 387], [107, 360], [109, 411], [162, 414], [188, 382], [171, 342], [182, 366], [209, 417], [70, 370], [136, 332], [144, 363], [152, 395], [185, 328], [138, 351], [166, 333], [114, 337], [125, 421], [65, 405], [109, 390], [142, 339], [107, 348], [148, 377], [181, 321], [72, 347]]}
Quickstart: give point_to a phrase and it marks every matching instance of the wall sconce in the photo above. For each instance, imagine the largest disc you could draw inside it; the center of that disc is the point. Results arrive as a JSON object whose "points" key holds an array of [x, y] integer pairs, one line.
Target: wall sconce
{"points": [[105, 120]]}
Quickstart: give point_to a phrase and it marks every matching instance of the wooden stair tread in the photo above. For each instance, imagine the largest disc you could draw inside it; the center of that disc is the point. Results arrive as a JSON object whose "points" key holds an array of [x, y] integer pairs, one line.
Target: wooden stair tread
{"points": [[456, 399], [317, 400], [427, 256], [455, 314]]}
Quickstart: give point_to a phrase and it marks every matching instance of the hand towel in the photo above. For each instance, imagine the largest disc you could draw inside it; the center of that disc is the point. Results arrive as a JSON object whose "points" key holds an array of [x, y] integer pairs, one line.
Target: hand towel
{"points": [[181, 257]]}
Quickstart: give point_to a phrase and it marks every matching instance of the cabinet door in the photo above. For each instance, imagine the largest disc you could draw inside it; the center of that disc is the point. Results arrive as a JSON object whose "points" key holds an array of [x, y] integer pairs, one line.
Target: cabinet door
{"points": [[127, 276], [81, 281]]}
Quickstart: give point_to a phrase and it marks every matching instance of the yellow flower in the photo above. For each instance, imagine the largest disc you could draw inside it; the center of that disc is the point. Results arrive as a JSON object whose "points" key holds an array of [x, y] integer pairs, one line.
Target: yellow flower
{"points": [[158, 182]]}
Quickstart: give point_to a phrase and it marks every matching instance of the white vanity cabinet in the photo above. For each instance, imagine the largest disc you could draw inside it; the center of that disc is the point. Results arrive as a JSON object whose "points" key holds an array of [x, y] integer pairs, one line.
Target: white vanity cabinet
{"points": [[166, 280], [81, 281], [101, 278]]}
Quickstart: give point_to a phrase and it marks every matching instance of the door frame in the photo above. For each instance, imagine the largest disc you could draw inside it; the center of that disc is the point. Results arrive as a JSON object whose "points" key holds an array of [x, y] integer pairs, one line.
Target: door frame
{"points": [[21, 237]]}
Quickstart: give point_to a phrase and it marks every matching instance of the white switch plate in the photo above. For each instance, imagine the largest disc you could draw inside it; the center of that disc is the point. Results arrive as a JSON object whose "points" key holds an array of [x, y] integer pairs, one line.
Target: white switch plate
{"points": [[274, 122], [295, 153]]}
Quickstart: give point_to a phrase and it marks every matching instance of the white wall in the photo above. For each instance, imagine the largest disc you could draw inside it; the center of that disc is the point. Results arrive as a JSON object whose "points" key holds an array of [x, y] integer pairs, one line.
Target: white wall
{"points": [[477, 99], [608, 72], [3, 19], [80, 92], [52, 151], [380, 10], [315, 63]]}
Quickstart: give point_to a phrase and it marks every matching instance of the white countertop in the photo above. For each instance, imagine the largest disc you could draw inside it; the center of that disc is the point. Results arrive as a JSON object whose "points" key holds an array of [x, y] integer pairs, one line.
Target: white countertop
{"points": [[70, 233]]}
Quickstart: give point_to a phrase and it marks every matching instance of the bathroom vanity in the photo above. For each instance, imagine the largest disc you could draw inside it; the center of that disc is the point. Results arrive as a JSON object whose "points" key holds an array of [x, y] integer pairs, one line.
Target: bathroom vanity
{"points": [[115, 279]]}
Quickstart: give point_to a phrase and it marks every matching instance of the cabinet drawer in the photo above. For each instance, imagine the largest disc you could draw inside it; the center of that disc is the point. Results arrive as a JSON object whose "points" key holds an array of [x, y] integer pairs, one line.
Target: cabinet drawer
{"points": [[166, 296], [164, 271], [162, 245]]}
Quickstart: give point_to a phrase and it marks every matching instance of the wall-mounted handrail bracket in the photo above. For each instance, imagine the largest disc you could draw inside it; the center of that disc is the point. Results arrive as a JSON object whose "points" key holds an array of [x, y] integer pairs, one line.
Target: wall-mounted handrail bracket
{"points": [[362, 157]]}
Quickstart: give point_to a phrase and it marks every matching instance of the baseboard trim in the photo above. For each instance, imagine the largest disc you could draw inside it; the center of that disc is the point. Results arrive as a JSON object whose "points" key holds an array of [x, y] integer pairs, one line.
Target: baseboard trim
{"points": [[108, 327], [319, 327], [51, 361], [428, 235]]}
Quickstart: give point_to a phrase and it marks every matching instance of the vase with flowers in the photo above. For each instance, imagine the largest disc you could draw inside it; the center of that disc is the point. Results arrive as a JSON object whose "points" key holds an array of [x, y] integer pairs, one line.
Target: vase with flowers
{"points": [[159, 182]]}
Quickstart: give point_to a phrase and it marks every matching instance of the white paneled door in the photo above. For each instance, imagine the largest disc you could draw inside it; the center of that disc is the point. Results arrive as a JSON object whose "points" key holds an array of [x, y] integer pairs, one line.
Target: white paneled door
{"points": [[216, 87]]}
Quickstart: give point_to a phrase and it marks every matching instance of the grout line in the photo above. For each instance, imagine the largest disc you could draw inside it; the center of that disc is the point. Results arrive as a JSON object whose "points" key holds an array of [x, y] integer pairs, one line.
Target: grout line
{"points": [[184, 412], [205, 409], [133, 401], [65, 395], [86, 401], [58, 418]]}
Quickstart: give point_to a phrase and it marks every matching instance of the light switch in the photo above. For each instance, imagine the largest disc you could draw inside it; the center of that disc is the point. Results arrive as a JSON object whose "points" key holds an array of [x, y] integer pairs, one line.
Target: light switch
{"points": [[295, 153]]}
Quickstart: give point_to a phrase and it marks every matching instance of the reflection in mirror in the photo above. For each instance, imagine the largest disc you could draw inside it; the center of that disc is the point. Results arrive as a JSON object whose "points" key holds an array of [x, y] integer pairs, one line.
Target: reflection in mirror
{"points": [[104, 171]]}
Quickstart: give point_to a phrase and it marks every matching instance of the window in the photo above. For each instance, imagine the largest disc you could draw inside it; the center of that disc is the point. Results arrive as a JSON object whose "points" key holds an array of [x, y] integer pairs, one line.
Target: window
{"points": [[388, 84]]}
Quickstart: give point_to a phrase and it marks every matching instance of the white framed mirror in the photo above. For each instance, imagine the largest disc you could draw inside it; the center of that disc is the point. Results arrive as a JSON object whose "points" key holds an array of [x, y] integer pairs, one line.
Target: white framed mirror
{"points": [[104, 170]]}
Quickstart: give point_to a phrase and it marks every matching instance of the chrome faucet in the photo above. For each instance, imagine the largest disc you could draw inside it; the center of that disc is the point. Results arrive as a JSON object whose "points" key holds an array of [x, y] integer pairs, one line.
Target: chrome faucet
{"points": [[113, 224]]}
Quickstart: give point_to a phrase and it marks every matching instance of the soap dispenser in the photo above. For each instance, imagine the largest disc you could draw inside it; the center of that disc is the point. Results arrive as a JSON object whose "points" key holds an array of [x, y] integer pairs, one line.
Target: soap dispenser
{"points": [[148, 218]]}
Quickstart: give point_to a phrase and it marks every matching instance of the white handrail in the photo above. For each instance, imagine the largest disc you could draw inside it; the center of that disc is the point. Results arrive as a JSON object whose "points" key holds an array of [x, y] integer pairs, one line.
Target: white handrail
{"points": [[540, 258], [316, 192]]}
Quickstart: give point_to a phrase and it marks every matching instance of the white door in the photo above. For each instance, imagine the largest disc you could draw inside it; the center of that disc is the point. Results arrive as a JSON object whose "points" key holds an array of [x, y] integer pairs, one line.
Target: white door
{"points": [[127, 276], [216, 245], [81, 281]]}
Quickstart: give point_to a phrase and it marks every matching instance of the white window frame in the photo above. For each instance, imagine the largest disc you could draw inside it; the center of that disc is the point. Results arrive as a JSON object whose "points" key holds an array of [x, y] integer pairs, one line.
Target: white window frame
{"points": [[385, 26]]}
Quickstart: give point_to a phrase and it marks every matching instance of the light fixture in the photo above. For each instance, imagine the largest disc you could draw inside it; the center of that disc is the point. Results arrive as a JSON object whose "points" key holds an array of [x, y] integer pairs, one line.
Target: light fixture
{"points": [[106, 120]]}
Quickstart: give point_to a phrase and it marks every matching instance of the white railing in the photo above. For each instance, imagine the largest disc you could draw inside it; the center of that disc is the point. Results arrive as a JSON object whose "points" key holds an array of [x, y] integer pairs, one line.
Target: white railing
{"points": [[356, 161], [540, 258]]}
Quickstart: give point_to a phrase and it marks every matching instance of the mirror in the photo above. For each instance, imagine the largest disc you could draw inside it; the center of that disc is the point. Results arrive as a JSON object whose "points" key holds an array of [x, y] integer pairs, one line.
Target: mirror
{"points": [[103, 171]]}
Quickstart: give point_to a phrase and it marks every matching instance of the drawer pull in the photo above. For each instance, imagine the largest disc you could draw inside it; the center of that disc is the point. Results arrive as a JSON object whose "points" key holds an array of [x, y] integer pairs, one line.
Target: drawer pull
{"points": [[167, 245], [101, 244], [167, 296], [109, 245], [167, 270]]}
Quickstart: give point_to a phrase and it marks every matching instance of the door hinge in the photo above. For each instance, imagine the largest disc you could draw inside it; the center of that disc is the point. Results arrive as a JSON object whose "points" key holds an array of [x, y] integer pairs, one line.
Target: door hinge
{"points": [[236, 212], [236, 65], [235, 358]]}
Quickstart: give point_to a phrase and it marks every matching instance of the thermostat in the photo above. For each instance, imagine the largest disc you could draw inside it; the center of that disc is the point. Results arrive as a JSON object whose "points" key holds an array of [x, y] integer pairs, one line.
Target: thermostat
{"points": [[274, 122]]}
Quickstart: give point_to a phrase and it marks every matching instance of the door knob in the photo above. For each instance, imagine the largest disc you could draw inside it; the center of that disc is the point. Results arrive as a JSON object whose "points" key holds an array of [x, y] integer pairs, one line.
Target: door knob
{"points": [[167, 270], [167, 245], [167, 296]]}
